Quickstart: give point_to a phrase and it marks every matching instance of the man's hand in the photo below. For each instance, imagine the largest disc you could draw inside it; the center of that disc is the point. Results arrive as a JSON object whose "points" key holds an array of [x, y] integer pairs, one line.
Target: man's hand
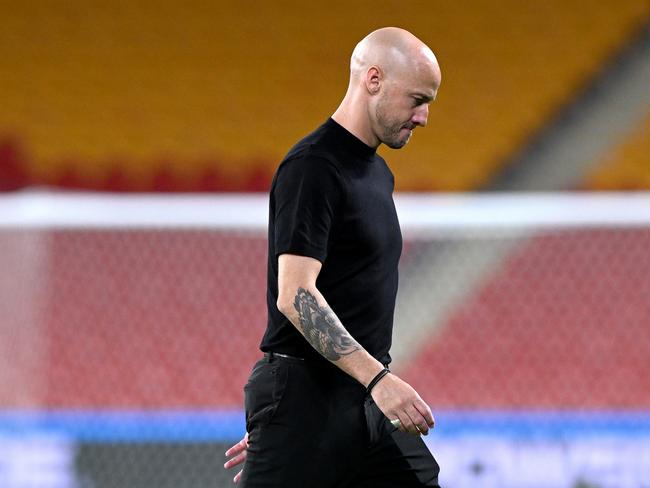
{"points": [[398, 400], [237, 455]]}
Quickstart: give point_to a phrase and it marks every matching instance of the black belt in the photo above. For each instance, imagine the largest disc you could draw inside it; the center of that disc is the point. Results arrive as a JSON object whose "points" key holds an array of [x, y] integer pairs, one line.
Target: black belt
{"points": [[271, 356]]}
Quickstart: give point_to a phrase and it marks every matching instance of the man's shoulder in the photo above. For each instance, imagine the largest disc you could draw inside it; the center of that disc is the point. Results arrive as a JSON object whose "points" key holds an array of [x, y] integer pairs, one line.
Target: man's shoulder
{"points": [[315, 145], [310, 159], [308, 166]]}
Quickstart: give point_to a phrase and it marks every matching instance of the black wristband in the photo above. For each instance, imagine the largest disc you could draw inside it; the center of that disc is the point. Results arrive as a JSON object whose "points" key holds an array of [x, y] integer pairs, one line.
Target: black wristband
{"points": [[376, 380]]}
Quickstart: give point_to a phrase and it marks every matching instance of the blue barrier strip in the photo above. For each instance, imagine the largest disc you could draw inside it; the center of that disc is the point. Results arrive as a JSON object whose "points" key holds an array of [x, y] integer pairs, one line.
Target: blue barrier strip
{"points": [[228, 425], [551, 425], [126, 425]]}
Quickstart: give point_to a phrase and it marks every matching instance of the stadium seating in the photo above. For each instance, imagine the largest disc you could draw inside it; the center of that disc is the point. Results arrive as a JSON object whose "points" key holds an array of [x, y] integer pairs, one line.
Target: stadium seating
{"points": [[115, 303], [133, 96], [627, 167], [172, 319], [557, 326]]}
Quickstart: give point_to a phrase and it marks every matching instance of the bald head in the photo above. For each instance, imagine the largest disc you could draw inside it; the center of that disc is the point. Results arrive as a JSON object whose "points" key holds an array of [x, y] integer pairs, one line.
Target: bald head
{"points": [[394, 77], [393, 51]]}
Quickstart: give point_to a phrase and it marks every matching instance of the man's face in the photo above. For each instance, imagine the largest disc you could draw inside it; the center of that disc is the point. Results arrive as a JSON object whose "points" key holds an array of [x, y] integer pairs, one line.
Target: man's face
{"points": [[403, 105]]}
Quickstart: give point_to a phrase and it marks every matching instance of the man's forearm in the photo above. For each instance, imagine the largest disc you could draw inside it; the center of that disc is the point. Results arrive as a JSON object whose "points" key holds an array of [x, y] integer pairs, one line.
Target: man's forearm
{"points": [[324, 331], [322, 328]]}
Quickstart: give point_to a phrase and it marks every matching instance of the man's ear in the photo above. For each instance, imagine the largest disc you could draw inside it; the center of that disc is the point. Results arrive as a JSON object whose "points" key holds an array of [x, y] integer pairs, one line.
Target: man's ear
{"points": [[374, 77]]}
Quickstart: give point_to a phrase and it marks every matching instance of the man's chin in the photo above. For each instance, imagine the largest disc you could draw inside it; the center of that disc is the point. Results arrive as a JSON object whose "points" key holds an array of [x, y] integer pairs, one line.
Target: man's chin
{"points": [[399, 143]]}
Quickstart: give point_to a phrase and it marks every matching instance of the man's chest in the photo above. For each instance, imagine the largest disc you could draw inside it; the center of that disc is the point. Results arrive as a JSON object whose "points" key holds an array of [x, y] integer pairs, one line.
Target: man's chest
{"points": [[367, 221]]}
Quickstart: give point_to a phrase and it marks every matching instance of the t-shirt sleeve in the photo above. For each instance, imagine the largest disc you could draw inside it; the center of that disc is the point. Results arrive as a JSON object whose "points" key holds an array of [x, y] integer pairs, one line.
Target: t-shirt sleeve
{"points": [[307, 195]]}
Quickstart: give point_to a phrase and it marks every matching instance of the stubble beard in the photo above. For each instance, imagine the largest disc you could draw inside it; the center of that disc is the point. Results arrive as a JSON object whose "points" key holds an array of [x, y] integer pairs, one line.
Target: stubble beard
{"points": [[390, 130]]}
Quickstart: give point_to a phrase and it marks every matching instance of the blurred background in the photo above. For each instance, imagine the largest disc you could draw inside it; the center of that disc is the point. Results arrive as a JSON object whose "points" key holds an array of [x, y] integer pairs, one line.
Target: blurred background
{"points": [[124, 347]]}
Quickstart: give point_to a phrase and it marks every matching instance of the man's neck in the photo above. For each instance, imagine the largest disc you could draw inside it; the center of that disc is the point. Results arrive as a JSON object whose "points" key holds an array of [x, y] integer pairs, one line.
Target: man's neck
{"points": [[355, 122]]}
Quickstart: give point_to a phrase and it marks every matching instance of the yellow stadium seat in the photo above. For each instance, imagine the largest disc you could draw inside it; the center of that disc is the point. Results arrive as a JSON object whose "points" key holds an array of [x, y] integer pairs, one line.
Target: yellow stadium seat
{"points": [[194, 88]]}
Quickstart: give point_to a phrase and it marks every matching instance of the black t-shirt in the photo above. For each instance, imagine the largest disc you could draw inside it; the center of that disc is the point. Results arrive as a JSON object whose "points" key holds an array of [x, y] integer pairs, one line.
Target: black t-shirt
{"points": [[331, 199]]}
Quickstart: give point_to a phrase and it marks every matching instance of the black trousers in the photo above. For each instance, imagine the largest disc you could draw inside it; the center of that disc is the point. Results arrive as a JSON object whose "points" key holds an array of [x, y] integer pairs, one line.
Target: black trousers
{"points": [[314, 427]]}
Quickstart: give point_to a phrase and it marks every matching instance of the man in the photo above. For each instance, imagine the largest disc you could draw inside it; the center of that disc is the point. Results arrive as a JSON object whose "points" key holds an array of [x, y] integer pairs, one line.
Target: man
{"points": [[322, 410]]}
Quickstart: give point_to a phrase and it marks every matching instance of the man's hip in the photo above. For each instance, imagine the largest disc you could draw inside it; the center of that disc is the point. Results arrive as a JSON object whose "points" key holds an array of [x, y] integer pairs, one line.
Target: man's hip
{"points": [[315, 426]]}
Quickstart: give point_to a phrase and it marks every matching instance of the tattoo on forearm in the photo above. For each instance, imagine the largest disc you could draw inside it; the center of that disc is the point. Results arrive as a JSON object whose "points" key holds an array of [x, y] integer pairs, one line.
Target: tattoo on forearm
{"points": [[322, 328]]}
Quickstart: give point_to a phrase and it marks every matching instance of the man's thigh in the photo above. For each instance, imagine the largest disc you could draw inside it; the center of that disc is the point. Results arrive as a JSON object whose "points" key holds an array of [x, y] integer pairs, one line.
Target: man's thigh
{"points": [[394, 459], [304, 430]]}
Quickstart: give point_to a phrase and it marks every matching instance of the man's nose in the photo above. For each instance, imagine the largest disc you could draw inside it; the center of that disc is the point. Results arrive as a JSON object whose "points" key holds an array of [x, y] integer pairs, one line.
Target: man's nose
{"points": [[421, 115]]}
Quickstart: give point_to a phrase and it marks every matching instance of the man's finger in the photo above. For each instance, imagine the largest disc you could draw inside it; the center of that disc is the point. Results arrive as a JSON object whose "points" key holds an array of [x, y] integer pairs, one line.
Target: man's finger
{"points": [[240, 458], [237, 477], [418, 420], [407, 424], [425, 411], [237, 448], [397, 422], [234, 450]]}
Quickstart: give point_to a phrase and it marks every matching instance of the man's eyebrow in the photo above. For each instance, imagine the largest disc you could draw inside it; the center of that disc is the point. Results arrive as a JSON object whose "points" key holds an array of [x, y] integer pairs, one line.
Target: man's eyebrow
{"points": [[422, 96]]}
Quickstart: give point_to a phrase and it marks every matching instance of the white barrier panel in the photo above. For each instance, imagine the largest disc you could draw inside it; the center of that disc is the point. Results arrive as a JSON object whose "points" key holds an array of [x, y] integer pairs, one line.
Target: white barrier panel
{"points": [[250, 211]]}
